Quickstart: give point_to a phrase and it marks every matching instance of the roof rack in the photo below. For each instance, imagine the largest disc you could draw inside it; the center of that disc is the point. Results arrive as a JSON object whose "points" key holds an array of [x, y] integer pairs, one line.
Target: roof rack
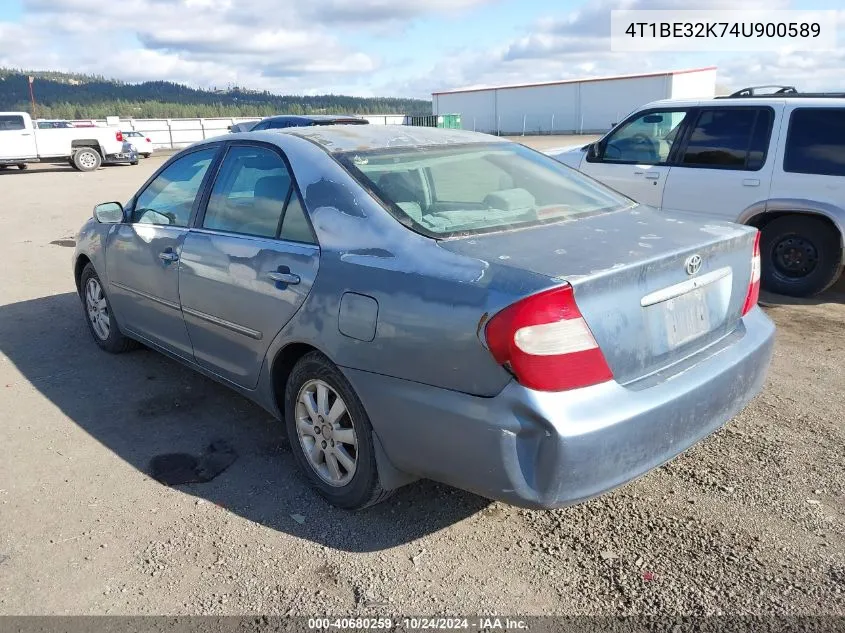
{"points": [[751, 91], [779, 91]]}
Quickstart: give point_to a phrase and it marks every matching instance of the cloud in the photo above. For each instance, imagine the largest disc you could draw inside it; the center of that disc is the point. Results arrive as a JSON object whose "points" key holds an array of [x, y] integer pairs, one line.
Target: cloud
{"points": [[588, 28], [201, 42], [362, 12], [323, 46], [577, 44]]}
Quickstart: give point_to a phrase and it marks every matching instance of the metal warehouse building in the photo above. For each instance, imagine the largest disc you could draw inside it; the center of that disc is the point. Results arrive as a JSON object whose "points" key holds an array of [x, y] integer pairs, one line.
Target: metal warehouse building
{"points": [[572, 106]]}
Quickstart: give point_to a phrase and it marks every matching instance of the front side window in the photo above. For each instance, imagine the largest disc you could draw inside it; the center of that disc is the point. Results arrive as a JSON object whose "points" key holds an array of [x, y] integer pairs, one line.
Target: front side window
{"points": [[728, 138], [476, 188], [645, 140], [169, 199], [815, 143], [10, 122], [254, 195]]}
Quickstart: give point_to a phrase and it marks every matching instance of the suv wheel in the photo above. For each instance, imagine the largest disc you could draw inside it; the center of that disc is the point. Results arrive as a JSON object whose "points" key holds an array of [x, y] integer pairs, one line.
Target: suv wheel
{"points": [[801, 255]]}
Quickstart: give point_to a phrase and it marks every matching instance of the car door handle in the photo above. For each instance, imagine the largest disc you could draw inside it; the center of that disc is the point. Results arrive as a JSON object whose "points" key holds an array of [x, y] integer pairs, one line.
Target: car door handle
{"points": [[751, 182], [168, 256], [285, 278], [26, 133], [652, 175]]}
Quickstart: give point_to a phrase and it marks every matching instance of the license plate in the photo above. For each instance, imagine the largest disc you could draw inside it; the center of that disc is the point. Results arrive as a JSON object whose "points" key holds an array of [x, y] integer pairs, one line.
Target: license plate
{"points": [[686, 317]]}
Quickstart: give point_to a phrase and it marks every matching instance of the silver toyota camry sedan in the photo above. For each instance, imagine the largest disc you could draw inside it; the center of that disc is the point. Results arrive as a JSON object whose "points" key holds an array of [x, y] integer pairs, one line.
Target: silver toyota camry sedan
{"points": [[417, 302]]}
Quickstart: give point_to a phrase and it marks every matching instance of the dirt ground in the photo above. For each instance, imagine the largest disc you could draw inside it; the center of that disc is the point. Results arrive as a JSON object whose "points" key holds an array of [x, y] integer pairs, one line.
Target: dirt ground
{"points": [[750, 521]]}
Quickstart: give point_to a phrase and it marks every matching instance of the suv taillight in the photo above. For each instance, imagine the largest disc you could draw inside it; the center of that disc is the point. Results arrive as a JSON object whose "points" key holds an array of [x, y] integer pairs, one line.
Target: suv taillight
{"points": [[753, 294], [545, 342], [118, 136], [148, 140]]}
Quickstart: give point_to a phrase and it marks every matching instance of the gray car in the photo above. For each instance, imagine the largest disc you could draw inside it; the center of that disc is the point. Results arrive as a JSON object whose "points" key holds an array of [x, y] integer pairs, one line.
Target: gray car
{"points": [[418, 302]]}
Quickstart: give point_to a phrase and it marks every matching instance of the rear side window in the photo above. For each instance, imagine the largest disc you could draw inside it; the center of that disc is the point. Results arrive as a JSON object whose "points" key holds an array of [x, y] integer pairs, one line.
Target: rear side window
{"points": [[10, 122], [729, 139], [815, 143], [254, 195]]}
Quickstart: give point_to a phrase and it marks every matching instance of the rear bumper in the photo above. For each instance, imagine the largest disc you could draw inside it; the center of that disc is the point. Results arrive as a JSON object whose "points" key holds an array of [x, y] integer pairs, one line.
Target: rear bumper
{"points": [[121, 157], [547, 450]]}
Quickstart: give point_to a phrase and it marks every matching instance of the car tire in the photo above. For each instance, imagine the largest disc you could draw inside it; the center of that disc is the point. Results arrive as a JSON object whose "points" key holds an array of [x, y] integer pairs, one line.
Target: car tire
{"points": [[317, 440], [134, 162], [87, 159], [23, 166], [146, 155], [104, 328], [801, 256]]}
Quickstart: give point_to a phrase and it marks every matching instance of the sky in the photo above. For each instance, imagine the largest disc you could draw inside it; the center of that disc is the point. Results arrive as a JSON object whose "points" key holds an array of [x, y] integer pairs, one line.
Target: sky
{"points": [[407, 48]]}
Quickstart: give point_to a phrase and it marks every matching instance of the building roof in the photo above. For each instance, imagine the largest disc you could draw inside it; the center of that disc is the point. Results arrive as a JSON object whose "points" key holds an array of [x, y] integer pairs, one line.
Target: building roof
{"points": [[577, 81]]}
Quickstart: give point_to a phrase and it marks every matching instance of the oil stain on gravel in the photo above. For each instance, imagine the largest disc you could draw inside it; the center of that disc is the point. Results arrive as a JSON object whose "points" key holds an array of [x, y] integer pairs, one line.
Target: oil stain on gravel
{"points": [[68, 242], [174, 469]]}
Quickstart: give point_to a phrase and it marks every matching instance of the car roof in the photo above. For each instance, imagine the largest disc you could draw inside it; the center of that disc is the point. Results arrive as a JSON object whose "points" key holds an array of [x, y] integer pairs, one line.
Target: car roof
{"points": [[313, 117], [816, 102], [347, 138]]}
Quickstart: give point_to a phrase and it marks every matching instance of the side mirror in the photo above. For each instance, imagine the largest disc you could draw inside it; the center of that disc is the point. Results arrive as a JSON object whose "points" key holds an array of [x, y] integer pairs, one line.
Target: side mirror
{"points": [[594, 151], [109, 213]]}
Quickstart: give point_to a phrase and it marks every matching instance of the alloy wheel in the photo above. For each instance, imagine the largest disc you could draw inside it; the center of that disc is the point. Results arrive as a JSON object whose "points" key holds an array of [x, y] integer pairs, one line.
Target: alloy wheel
{"points": [[98, 309], [326, 433]]}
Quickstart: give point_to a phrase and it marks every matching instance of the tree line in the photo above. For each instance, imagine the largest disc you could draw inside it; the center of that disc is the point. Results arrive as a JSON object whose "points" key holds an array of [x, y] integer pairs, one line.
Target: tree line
{"points": [[75, 96]]}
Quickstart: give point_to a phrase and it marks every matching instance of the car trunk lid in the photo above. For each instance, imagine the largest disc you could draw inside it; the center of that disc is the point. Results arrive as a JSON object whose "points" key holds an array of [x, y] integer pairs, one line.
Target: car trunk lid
{"points": [[654, 288]]}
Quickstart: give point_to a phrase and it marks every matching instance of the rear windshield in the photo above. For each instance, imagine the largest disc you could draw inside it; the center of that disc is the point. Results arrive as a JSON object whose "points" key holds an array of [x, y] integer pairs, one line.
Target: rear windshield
{"points": [[477, 188]]}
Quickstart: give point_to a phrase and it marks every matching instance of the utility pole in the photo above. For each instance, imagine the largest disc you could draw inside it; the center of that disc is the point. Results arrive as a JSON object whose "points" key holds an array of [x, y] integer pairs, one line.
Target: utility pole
{"points": [[32, 96]]}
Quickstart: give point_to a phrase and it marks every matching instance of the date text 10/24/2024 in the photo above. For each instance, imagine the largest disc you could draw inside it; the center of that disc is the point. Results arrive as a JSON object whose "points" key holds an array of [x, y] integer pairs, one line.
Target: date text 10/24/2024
{"points": [[418, 624]]}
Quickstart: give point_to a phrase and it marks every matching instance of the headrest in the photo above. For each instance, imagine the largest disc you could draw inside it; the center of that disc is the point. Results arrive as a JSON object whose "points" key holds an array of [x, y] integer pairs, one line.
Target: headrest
{"points": [[510, 200], [272, 187]]}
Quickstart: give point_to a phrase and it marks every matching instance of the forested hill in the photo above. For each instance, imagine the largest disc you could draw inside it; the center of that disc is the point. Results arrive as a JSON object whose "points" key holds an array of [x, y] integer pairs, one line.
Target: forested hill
{"points": [[72, 96]]}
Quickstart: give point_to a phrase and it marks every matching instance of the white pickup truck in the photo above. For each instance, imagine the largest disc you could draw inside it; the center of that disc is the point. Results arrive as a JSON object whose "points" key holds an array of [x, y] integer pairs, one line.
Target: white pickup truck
{"points": [[21, 142]]}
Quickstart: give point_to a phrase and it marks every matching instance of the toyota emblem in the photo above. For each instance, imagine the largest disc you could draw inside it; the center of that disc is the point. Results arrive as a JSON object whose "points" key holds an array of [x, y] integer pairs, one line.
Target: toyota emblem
{"points": [[693, 264]]}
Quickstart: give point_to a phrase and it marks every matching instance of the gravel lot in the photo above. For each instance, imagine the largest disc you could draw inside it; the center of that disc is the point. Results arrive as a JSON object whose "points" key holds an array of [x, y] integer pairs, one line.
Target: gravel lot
{"points": [[749, 521]]}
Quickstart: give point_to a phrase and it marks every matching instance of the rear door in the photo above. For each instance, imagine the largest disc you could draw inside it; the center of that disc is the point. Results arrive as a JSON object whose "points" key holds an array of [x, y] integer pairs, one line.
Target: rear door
{"points": [[634, 158], [248, 264], [724, 165], [142, 255], [16, 139]]}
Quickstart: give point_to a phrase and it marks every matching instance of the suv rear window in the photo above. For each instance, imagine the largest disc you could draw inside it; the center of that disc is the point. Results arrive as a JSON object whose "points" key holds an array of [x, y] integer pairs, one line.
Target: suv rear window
{"points": [[445, 191], [815, 143]]}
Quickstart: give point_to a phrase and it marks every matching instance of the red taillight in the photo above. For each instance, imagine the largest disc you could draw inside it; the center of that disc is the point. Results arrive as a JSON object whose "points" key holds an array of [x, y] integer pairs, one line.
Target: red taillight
{"points": [[545, 342], [754, 286], [148, 140], [118, 136]]}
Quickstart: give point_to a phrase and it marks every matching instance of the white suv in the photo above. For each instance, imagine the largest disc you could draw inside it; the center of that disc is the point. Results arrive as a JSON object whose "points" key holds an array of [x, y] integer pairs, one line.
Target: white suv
{"points": [[774, 161]]}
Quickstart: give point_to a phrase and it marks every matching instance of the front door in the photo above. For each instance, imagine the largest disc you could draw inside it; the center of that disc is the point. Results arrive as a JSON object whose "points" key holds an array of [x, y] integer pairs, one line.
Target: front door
{"points": [[16, 140], [248, 265], [633, 159], [142, 256]]}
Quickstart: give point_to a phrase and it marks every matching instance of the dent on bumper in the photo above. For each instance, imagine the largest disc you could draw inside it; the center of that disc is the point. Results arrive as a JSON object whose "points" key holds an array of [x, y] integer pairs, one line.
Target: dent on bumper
{"points": [[548, 450]]}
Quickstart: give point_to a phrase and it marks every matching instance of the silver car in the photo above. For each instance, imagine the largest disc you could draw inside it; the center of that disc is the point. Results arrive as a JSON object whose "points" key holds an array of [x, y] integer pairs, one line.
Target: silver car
{"points": [[418, 302]]}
